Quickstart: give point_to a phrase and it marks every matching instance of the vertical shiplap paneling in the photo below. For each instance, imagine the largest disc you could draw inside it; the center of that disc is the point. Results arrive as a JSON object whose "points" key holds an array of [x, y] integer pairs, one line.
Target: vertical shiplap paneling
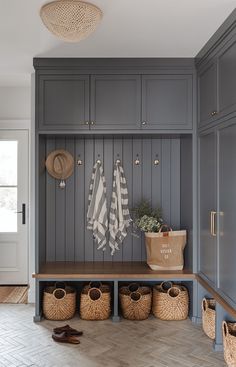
{"points": [[89, 162], [50, 208], [60, 214], [80, 201], [166, 179], [127, 162], [118, 154], [98, 154], [175, 183], [156, 173], [66, 236], [70, 208], [108, 171], [42, 199], [146, 181], [137, 192]]}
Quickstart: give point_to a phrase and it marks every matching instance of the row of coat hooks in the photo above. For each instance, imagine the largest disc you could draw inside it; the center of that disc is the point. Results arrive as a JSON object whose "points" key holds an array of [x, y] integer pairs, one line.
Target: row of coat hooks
{"points": [[137, 161]]}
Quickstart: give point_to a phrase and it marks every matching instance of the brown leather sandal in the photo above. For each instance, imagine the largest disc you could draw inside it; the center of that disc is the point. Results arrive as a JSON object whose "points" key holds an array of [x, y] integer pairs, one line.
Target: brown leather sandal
{"points": [[65, 338], [68, 329]]}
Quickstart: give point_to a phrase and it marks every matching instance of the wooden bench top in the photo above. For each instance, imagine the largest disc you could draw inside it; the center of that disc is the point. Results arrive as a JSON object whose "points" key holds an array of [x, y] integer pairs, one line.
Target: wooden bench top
{"points": [[107, 270], [229, 309]]}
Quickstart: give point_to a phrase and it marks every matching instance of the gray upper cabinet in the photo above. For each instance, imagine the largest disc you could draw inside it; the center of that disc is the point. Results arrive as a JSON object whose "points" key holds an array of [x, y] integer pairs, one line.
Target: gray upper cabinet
{"points": [[115, 102], [63, 102], [207, 94], [167, 102], [217, 85], [227, 210], [208, 207], [227, 78]]}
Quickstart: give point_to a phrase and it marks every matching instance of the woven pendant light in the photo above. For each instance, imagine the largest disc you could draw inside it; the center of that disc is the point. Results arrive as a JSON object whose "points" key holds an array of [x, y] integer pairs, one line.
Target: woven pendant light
{"points": [[70, 20]]}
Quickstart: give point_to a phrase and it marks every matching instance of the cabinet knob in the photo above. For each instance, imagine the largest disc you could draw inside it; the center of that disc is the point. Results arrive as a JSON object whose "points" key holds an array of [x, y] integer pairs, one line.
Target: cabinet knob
{"points": [[214, 113], [144, 123], [86, 122], [92, 123]]}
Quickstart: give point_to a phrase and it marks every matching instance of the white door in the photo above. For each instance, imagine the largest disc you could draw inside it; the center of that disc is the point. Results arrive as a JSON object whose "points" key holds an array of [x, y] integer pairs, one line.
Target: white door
{"points": [[14, 181]]}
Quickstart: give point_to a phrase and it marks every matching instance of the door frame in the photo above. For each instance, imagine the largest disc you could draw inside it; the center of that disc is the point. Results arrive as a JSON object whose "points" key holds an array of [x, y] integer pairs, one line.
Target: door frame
{"points": [[26, 125]]}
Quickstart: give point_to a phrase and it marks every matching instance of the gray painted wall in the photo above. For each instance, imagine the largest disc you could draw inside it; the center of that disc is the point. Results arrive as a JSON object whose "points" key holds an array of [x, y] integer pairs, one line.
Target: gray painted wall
{"points": [[66, 235]]}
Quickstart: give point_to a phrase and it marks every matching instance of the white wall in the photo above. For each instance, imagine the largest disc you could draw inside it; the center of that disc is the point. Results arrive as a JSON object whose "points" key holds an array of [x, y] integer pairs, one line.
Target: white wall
{"points": [[15, 103]]}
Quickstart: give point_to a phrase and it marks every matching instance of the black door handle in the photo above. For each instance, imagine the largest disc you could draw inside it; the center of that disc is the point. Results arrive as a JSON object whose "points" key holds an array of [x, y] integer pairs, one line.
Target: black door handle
{"points": [[23, 213]]}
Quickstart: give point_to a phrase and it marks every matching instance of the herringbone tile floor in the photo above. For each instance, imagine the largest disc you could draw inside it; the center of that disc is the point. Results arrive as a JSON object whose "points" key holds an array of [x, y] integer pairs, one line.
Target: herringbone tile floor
{"points": [[150, 343]]}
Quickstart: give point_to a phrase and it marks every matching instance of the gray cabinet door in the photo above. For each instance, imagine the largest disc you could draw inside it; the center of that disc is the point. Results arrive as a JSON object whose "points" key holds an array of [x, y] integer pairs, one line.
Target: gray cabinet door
{"points": [[207, 95], [115, 102], [227, 208], [208, 203], [167, 102], [227, 78], [63, 102]]}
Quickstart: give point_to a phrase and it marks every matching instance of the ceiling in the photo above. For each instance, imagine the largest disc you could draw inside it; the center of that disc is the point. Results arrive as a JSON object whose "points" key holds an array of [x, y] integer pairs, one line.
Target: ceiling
{"points": [[130, 28]]}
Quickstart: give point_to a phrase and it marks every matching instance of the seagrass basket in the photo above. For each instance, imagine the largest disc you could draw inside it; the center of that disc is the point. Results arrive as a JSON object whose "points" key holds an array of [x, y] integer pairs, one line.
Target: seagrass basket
{"points": [[229, 341], [172, 304], [132, 287], [209, 317], [135, 305], [95, 303], [59, 303]]}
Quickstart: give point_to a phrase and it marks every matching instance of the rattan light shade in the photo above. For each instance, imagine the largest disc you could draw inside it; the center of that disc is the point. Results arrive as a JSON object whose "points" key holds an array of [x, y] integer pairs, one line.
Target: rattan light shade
{"points": [[70, 20]]}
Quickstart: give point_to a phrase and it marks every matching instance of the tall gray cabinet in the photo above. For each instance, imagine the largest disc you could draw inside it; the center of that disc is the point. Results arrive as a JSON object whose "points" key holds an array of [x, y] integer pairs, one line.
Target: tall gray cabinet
{"points": [[216, 166], [208, 206]]}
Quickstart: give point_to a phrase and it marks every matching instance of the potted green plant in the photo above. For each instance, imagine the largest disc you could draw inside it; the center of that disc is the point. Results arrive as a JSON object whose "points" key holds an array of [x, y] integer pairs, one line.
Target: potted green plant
{"points": [[147, 219], [164, 250]]}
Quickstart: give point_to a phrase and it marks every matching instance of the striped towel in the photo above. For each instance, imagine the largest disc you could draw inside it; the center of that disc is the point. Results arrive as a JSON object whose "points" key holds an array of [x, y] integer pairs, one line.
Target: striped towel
{"points": [[97, 220], [119, 219]]}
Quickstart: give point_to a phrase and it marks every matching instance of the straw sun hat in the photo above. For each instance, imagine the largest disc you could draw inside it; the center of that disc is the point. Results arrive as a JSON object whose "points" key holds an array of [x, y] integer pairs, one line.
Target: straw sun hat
{"points": [[60, 164]]}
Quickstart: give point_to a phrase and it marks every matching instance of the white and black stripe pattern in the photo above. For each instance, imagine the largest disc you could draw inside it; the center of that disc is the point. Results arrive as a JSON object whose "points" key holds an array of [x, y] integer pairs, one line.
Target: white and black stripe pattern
{"points": [[97, 216], [119, 217]]}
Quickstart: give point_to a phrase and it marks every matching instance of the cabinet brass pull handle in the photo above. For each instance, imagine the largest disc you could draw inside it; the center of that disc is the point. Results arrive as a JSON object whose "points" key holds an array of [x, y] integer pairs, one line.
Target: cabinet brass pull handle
{"points": [[213, 229], [92, 123], [144, 123], [86, 122]]}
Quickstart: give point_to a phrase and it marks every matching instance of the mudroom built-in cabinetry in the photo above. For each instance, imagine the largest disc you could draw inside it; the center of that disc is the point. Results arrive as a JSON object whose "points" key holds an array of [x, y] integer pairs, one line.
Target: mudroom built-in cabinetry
{"points": [[171, 123], [138, 111]]}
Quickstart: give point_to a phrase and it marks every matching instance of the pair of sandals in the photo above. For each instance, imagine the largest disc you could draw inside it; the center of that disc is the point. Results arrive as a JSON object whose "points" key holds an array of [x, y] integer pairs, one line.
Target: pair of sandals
{"points": [[66, 334]]}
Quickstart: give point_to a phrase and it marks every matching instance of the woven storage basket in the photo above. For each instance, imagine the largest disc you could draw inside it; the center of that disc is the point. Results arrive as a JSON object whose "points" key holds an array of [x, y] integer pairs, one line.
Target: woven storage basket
{"points": [[59, 303], [135, 305], [132, 287], [209, 317], [229, 341], [172, 304], [95, 303]]}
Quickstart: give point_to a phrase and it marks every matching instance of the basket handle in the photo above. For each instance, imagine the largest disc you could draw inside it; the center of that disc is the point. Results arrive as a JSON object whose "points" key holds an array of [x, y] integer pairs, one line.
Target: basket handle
{"points": [[59, 291], [133, 287], [171, 292], [94, 294], [95, 284], [60, 285], [165, 226], [225, 328], [135, 296], [166, 285], [204, 304]]}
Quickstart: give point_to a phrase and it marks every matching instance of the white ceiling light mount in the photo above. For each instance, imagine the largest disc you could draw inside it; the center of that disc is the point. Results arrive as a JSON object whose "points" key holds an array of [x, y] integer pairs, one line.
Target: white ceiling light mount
{"points": [[70, 20]]}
